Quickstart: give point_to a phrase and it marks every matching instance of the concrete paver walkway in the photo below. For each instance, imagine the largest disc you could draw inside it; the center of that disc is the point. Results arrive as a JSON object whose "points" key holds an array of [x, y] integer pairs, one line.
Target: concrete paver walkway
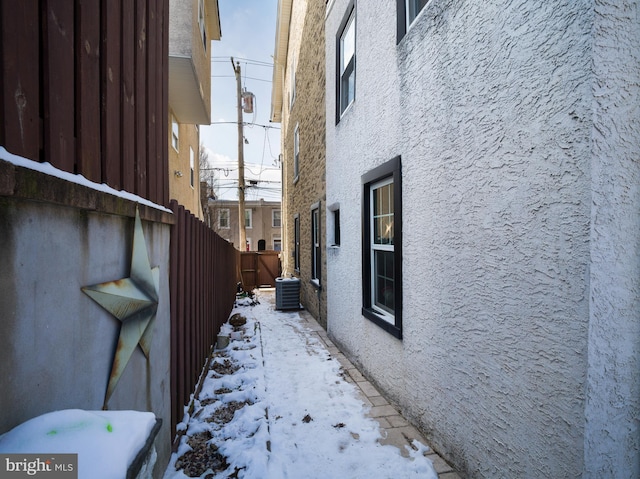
{"points": [[395, 428]]}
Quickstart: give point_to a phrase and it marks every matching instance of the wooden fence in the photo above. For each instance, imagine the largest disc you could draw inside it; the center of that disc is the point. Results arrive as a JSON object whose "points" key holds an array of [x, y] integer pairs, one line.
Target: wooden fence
{"points": [[259, 268], [203, 281], [84, 86]]}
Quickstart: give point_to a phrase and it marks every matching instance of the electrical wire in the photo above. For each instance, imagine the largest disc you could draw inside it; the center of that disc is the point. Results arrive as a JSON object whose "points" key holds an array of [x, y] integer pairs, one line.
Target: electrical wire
{"points": [[232, 76], [220, 59]]}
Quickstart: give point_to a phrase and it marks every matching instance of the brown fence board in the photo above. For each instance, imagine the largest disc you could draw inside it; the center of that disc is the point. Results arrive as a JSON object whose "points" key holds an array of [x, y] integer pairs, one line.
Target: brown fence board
{"points": [[59, 84], [128, 96], [83, 88], [111, 108], [162, 56], [202, 283], [151, 102], [140, 94], [19, 79], [87, 48]]}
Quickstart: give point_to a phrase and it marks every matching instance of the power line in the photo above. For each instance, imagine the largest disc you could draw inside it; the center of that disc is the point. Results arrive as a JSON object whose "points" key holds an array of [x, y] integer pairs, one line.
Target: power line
{"points": [[245, 77], [243, 60], [247, 123]]}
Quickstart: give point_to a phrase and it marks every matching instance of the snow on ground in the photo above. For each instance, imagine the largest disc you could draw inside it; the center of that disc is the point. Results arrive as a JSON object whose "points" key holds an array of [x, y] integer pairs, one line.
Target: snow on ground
{"points": [[106, 442], [275, 405]]}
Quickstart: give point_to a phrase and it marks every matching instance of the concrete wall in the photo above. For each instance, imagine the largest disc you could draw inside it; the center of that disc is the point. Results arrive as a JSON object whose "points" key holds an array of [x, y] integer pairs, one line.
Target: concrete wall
{"points": [[56, 344], [490, 106], [305, 56]]}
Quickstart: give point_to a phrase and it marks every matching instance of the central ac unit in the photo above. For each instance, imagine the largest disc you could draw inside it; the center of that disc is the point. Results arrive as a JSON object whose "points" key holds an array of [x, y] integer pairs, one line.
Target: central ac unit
{"points": [[287, 293]]}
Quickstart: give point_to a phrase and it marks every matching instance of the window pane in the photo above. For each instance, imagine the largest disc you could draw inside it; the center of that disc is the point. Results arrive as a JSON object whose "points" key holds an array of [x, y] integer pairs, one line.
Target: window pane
{"points": [[348, 44], [415, 6], [383, 214], [224, 218], [384, 281], [296, 233]]}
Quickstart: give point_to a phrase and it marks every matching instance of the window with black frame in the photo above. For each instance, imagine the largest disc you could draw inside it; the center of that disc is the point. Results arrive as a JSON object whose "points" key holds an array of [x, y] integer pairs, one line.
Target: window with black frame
{"points": [[316, 252], [296, 242], [382, 246], [346, 63], [407, 11]]}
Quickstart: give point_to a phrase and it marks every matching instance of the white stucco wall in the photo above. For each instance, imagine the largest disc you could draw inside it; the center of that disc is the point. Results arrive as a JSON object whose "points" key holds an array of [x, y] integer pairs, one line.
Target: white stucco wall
{"points": [[612, 440], [490, 105]]}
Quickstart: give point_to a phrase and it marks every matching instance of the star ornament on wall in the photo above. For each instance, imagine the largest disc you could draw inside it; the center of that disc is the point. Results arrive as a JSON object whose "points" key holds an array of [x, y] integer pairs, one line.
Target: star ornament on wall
{"points": [[134, 301]]}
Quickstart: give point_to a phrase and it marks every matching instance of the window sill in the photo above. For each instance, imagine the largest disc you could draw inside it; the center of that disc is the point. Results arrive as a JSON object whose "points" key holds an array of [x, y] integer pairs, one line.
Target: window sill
{"points": [[375, 318], [315, 283]]}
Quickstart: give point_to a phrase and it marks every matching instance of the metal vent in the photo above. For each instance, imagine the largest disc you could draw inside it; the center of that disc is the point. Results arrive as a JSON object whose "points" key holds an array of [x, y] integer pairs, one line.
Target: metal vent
{"points": [[287, 293]]}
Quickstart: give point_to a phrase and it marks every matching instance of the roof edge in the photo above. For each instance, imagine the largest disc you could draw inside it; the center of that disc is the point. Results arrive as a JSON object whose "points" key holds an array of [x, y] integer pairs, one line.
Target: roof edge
{"points": [[279, 58]]}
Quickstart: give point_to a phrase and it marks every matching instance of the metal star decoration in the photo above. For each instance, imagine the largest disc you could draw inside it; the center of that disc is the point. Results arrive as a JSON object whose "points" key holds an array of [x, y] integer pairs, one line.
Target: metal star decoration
{"points": [[134, 301]]}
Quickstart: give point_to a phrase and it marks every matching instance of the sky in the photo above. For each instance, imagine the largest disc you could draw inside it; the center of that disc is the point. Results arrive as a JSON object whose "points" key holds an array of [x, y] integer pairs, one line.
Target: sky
{"points": [[248, 35], [276, 405]]}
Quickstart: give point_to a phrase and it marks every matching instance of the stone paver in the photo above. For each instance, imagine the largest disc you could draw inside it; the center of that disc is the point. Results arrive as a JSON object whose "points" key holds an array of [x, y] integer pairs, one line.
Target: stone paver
{"points": [[395, 429]]}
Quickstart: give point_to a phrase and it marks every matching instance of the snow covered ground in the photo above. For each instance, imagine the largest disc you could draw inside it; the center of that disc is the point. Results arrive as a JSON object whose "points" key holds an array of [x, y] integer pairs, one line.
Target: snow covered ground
{"points": [[106, 442], [275, 405]]}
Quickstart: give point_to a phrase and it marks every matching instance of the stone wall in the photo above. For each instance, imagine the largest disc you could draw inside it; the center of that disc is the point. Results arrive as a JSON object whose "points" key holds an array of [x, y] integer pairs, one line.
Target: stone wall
{"points": [[306, 55]]}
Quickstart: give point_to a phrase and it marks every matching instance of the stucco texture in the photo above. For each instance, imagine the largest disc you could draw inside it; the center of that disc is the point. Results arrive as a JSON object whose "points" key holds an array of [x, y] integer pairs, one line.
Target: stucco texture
{"points": [[491, 107]]}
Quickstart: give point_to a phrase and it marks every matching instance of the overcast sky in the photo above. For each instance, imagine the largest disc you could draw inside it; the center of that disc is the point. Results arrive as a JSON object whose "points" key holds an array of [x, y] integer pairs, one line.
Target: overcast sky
{"points": [[248, 35]]}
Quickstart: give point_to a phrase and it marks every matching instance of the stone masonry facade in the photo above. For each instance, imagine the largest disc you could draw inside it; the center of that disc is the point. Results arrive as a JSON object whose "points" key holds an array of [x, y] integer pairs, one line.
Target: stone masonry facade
{"points": [[306, 190]]}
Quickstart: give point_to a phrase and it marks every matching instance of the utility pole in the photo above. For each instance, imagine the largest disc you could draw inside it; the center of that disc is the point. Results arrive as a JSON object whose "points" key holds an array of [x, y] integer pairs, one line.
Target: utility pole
{"points": [[241, 220]]}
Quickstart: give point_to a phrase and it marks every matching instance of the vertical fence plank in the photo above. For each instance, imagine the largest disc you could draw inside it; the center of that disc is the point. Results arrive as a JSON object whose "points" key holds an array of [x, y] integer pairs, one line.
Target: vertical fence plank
{"points": [[19, 79], [164, 117], [182, 324], [151, 102], [176, 403], [128, 99], [140, 94], [87, 92], [202, 282], [111, 105], [59, 84]]}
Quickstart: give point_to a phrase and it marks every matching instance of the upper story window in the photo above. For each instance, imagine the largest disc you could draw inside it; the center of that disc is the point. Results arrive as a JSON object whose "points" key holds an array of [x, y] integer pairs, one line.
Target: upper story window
{"points": [[202, 23], [346, 71], [175, 133], [292, 79], [223, 219], [382, 247], [276, 220], [248, 218], [296, 152], [408, 10], [192, 166]]}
